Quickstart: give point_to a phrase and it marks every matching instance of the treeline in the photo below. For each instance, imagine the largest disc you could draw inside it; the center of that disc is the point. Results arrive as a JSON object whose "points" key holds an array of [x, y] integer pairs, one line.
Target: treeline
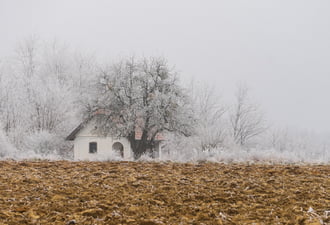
{"points": [[47, 89]]}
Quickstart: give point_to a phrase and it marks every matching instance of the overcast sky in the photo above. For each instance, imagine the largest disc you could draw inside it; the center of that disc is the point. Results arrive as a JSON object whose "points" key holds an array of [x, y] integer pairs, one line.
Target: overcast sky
{"points": [[279, 48]]}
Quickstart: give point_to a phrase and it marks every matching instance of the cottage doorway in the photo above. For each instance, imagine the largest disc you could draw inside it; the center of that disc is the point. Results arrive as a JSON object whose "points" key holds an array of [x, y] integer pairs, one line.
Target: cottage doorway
{"points": [[119, 148]]}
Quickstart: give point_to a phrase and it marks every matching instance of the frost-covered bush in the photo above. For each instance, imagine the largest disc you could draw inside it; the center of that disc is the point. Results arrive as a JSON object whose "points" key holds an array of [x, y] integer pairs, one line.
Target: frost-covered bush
{"points": [[43, 143], [6, 149], [182, 149], [243, 156]]}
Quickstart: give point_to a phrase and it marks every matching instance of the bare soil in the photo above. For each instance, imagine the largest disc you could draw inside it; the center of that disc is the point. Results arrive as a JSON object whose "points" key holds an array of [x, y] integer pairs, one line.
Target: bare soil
{"points": [[162, 193]]}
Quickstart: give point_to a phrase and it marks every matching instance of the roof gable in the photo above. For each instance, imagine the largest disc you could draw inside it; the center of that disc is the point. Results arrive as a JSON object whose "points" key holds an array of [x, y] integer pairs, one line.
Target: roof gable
{"points": [[138, 132], [74, 133]]}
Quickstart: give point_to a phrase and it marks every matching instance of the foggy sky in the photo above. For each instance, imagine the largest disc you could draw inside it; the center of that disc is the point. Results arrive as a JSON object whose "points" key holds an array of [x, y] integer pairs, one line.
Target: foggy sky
{"points": [[279, 48]]}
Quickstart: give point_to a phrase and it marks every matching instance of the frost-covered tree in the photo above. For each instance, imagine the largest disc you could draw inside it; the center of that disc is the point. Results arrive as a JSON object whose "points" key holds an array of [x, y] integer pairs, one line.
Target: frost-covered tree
{"points": [[40, 94], [210, 129], [141, 97], [27, 54], [246, 119]]}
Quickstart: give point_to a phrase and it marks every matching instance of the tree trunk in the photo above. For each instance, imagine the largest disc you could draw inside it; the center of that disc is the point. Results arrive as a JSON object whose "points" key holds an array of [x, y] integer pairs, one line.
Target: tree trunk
{"points": [[139, 147]]}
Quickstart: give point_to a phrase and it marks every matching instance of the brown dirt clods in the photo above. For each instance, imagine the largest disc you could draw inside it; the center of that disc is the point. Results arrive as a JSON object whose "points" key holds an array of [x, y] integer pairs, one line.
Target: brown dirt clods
{"points": [[162, 193]]}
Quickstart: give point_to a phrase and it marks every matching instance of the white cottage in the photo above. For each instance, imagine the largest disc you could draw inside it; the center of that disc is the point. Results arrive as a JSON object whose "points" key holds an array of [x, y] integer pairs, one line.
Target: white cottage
{"points": [[89, 145]]}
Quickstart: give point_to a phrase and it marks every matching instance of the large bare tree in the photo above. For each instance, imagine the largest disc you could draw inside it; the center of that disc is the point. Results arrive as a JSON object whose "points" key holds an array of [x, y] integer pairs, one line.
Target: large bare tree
{"points": [[141, 96]]}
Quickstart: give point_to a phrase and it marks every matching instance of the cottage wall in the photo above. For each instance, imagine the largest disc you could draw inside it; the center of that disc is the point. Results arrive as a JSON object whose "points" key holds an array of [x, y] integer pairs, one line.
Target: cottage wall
{"points": [[104, 145]]}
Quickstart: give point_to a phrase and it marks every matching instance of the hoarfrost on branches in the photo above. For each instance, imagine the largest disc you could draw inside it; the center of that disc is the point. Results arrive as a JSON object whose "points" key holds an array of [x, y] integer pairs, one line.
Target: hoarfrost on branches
{"points": [[46, 90], [39, 95], [210, 128], [141, 96], [246, 119]]}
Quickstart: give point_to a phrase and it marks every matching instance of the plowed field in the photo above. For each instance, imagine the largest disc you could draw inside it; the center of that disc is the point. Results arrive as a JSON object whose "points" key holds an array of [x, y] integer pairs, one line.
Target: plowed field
{"points": [[162, 193]]}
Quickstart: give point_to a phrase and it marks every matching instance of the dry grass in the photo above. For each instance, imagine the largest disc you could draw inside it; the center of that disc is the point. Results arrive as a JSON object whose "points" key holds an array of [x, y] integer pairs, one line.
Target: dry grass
{"points": [[162, 193]]}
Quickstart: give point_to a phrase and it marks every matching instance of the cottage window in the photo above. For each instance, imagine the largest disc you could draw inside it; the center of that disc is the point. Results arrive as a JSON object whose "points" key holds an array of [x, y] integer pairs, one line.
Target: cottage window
{"points": [[92, 147]]}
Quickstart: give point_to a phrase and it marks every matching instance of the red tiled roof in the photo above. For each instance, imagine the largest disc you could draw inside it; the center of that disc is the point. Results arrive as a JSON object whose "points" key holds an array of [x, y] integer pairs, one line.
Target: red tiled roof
{"points": [[138, 135], [138, 131]]}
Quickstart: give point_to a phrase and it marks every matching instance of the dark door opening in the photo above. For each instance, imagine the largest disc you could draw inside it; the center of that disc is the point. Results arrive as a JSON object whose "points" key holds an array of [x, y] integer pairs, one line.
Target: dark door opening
{"points": [[119, 148]]}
